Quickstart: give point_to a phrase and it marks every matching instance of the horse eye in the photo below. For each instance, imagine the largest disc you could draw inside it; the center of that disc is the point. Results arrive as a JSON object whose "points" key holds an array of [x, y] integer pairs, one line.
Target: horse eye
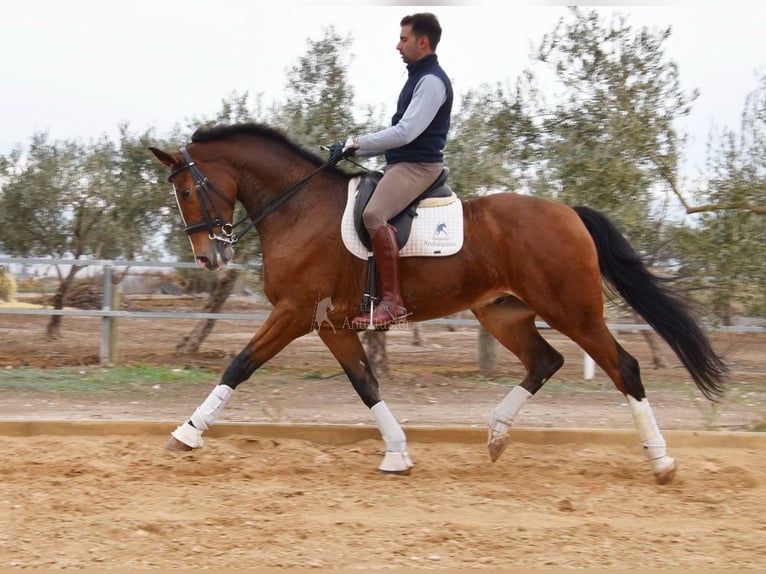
{"points": [[186, 193]]}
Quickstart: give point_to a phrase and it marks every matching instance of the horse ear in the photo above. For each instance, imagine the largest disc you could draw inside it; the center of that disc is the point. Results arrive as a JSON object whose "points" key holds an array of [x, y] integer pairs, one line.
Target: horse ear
{"points": [[164, 157]]}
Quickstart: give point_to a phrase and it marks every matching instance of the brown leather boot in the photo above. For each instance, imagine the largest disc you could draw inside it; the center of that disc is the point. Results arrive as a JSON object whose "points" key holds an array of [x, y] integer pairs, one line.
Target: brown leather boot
{"points": [[390, 309]]}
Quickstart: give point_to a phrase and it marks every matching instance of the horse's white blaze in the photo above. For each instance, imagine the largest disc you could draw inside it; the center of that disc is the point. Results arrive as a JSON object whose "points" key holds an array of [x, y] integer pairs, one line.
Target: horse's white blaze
{"points": [[178, 204], [181, 211]]}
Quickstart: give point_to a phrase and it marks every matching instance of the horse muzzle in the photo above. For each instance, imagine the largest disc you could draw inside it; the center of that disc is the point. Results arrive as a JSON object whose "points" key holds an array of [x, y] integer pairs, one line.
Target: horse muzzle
{"points": [[224, 253]]}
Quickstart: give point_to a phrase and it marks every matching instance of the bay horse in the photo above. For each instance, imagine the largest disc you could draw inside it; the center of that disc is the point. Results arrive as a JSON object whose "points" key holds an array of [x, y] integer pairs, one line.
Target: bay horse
{"points": [[522, 257]]}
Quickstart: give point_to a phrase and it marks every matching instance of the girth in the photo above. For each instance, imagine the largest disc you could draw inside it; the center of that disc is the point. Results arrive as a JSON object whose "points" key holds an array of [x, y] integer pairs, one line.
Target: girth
{"points": [[403, 221]]}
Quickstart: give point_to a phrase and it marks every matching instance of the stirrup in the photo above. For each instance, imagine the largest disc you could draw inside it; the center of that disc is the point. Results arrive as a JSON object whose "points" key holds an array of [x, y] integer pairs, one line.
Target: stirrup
{"points": [[388, 307]]}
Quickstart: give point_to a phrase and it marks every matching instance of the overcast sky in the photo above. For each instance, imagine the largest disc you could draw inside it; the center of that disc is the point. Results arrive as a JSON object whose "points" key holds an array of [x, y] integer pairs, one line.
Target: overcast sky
{"points": [[78, 68]]}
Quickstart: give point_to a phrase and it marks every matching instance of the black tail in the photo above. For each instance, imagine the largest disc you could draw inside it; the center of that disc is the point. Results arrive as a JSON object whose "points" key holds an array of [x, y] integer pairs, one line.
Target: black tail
{"points": [[668, 313]]}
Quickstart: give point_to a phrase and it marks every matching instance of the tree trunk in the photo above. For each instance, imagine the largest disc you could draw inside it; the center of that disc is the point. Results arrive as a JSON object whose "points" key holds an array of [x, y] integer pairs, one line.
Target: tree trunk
{"points": [[53, 330], [191, 343], [486, 350], [376, 352], [652, 339], [418, 340]]}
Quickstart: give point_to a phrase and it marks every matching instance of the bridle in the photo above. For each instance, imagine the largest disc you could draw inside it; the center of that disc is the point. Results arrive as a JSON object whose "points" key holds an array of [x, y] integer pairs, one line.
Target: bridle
{"points": [[212, 217]]}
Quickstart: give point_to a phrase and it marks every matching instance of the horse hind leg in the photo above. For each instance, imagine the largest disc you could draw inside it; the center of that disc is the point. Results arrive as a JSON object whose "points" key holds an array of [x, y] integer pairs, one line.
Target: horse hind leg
{"points": [[624, 371], [512, 323], [652, 441]]}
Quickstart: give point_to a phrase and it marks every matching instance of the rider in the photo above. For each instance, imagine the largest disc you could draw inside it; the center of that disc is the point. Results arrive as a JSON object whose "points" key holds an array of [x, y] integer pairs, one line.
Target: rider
{"points": [[413, 149]]}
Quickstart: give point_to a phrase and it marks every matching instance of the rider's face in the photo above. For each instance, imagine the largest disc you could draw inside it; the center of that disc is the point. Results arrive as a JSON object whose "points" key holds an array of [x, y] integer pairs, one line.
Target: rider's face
{"points": [[410, 47]]}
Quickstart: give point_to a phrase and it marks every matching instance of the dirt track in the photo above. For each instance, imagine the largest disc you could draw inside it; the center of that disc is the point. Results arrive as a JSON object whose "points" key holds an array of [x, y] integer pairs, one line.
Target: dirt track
{"points": [[262, 502]]}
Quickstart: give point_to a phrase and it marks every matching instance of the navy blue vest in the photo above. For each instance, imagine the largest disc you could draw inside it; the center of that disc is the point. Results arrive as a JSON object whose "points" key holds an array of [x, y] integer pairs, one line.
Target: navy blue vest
{"points": [[428, 146]]}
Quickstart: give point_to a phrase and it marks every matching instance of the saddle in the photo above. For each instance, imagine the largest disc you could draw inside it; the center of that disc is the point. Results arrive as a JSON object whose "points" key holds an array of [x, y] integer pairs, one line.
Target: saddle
{"points": [[403, 221]]}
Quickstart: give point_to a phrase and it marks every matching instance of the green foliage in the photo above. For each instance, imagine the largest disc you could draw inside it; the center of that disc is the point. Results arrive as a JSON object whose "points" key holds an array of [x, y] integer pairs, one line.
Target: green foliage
{"points": [[118, 379], [737, 163], [98, 200], [491, 143], [722, 261], [319, 104], [235, 108], [603, 143], [608, 140], [40, 193], [727, 247]]}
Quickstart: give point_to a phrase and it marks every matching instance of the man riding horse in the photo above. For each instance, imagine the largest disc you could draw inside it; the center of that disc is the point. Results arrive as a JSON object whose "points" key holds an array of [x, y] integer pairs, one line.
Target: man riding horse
{"points": [[413, 149]]}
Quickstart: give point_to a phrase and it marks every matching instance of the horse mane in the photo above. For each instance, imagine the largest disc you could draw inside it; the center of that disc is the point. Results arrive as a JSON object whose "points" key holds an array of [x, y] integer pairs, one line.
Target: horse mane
{"points": [[261, 131]]}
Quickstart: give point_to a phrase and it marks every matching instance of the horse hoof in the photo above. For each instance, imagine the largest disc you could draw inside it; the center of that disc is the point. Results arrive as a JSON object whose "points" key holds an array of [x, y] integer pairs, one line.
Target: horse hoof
{"points": [[666, 475], [396, 463], [175, 445], [496, 445]]}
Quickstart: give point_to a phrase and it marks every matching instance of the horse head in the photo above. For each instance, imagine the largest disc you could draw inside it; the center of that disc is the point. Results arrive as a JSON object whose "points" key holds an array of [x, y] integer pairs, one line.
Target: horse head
{"points": [[206, 203], [251, 163]]}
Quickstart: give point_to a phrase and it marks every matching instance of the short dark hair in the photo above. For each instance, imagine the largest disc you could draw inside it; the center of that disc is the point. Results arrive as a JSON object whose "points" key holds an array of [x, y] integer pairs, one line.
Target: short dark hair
{"points": [[424, 24]]}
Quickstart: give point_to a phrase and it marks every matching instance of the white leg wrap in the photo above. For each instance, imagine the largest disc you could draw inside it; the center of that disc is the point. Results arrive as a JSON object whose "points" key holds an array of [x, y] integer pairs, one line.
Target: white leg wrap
{"points": [[203, 417], [392, 433], [649, 433], [396, 458], [207, 413], [504, 413]]}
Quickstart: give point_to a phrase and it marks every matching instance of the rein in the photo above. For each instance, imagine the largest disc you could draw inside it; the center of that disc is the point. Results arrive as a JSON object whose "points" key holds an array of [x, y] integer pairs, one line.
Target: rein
{"points": [[204, 186]]}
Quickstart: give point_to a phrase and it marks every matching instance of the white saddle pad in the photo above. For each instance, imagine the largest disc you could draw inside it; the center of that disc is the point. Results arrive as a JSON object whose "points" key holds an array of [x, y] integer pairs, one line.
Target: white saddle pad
{"points": [[437, 230]]}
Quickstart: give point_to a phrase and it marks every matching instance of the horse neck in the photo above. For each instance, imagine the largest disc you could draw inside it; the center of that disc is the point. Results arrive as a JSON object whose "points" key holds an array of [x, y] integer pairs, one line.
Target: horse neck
{"points": [[267, 179]]}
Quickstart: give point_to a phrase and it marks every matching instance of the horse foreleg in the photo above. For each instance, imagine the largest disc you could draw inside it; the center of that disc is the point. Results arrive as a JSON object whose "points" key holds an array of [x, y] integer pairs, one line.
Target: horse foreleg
{"points": [[512, 323], [348, 350], [275, 333], [188, 435], [396, 459]]}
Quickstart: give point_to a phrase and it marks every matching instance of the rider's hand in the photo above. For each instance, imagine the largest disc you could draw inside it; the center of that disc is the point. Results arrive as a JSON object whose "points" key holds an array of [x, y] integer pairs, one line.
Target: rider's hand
{"points": [[350, 146], [343, 149]]}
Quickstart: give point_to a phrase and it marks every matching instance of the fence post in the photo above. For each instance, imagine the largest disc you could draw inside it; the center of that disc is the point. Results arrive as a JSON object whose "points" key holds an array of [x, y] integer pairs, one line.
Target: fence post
{"points": [[106, 320], [589, 367], [114, 340]]}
